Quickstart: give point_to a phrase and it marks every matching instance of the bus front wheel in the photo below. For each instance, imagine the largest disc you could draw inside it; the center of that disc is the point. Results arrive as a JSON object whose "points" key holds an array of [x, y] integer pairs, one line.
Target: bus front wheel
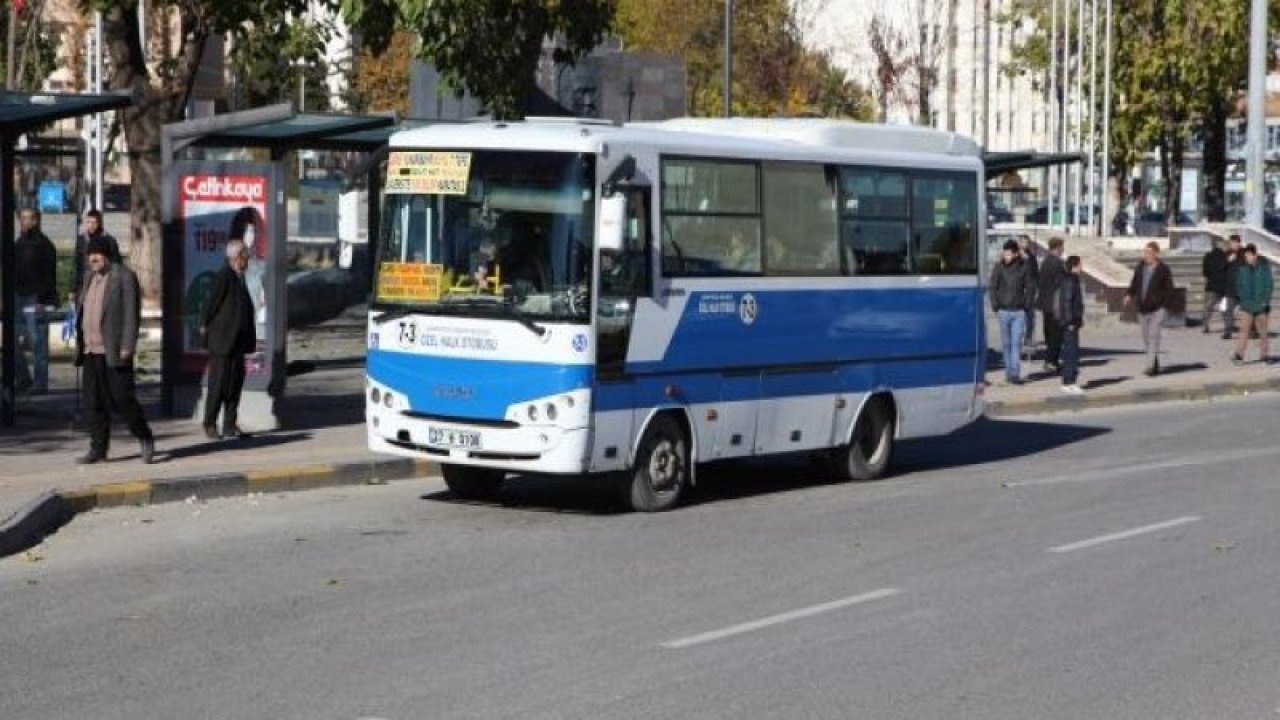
{"points": [[472, 483], [870, 449], [660, 475]]}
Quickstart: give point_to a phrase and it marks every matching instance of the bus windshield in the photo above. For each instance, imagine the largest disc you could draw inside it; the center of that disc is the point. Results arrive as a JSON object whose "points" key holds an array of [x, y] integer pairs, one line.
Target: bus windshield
{"points": [[487, 233]]}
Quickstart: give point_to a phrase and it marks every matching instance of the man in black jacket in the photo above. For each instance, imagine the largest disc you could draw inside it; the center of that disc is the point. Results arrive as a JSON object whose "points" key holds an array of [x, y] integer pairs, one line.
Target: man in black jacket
{"points": [[1051, 272], [1235, 261], [1012, 295], [227, 328], [92, 230], [36, 283], [1028, 252], [1150, 290], [1214, 270], [1068, 314]]}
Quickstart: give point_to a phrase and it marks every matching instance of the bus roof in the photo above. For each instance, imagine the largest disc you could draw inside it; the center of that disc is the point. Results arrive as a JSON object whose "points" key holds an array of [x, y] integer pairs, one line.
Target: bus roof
{"points": [[747, 137]]}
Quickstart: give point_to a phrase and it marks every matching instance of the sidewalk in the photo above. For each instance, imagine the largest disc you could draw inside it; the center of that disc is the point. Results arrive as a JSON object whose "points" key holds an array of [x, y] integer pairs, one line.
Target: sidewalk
{"points": [[1194, 366]]}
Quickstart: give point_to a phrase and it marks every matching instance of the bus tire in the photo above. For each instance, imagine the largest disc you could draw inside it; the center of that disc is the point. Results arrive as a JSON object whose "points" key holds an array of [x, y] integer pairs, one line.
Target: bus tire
{"points": [[660, 476], [472, 483], [870, 449]]}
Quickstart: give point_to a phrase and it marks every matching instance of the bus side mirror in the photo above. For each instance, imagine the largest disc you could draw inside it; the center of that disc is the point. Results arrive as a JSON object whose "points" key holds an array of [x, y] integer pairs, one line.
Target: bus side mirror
{"points": [[613, 223]]}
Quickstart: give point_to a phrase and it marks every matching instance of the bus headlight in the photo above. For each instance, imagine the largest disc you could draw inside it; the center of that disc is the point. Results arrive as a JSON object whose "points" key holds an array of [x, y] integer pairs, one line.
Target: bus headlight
{"points": [[551, 412], [532, 412], [375, 396], [388, 400]]}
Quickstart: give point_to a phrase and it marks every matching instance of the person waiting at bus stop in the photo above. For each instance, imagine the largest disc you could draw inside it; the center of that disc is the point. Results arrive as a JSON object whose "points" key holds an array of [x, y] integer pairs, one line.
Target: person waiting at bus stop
{"points": [[1151, 289], [228, 330], [36, 262], [1253, 288], [1012, 294]]}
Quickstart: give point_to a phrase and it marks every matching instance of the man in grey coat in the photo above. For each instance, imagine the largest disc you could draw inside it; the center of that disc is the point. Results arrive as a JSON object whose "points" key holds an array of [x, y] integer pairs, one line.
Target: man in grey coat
{"points": [[108, 313]]}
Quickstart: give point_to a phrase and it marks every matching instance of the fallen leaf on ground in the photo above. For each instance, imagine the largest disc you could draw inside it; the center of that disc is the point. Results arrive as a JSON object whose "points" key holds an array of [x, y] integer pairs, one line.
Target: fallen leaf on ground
{"points": [[32, 556]]}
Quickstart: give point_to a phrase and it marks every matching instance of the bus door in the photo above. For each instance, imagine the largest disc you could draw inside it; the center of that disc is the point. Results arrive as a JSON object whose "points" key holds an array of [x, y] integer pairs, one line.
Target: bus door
{"points": [[624, 279]]}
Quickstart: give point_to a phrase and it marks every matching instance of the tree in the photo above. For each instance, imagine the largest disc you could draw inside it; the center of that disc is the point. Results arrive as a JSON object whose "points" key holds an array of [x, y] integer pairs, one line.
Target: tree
{"points": [[774, 72], [1177, 66], [381, 83], [892, 62], [271, 62], [161, 80], [34, 49], [486, 47]]}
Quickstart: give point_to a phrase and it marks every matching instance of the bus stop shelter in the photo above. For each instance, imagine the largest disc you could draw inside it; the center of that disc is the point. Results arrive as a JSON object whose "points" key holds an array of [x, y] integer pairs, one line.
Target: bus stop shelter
{"points": [[21, 113], [208, 202]]}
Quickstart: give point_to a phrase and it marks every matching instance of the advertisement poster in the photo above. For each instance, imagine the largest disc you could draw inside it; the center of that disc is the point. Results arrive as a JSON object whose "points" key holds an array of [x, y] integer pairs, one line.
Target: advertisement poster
{"points": [[214, 209]]}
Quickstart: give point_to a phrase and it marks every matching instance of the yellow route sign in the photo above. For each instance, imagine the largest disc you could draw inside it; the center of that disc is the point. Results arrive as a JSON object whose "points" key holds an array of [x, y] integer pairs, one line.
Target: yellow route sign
{"points": [[409, 281], [437, 173]]}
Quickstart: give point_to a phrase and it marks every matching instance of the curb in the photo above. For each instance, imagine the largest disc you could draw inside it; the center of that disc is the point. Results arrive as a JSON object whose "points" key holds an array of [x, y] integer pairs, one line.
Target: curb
{"points": [[1143, 396], [53, 509]]}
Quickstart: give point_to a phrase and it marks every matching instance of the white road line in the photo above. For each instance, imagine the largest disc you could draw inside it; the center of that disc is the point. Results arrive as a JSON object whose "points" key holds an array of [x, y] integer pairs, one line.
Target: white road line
{"points": [[779, 619], [1105, 473], [1124, 534]]}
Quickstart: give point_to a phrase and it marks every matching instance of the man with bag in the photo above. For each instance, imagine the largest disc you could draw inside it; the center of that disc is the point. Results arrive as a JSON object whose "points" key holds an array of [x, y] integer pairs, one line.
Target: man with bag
{"points": [[1068, 315], [1254, 288], [1214, 270], [1051, 275]]}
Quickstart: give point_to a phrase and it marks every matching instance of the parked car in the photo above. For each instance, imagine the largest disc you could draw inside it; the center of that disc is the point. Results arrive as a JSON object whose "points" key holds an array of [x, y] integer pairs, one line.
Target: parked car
{"points": [[1271, 222], [1122, 223], [116, 196], [998, 214], [1153, 224]]}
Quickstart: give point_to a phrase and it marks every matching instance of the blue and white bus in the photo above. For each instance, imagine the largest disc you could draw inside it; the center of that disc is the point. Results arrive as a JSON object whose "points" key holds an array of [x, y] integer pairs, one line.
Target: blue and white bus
{"points": [[628, 302]]}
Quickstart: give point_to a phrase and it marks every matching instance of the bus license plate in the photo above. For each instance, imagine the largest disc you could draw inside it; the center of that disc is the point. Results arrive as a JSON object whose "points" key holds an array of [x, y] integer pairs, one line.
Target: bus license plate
{"points": [[461, 439]]}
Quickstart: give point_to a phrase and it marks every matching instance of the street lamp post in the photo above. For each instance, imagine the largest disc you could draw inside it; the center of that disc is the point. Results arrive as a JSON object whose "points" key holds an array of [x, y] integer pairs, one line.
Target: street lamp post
{"points": [[728, 58], [1255, 185]]}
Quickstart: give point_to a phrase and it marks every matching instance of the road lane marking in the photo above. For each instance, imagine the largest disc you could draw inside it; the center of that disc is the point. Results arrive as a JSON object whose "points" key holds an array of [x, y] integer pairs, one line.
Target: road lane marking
{"points": [[1124, 534], [785, 617], [1104, 473]]}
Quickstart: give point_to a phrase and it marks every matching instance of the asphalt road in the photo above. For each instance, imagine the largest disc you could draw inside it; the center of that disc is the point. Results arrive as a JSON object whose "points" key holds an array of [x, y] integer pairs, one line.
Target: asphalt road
{"points": [[1116, 565]]}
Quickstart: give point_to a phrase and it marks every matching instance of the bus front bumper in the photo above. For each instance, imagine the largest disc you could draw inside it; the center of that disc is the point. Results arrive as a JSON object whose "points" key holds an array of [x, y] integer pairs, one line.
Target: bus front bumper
{"points": [[521, 448]]}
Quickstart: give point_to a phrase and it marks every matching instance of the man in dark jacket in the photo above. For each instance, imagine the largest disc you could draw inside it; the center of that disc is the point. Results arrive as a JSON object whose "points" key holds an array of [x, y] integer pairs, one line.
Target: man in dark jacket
{"points": [[1214, 269], [108, 313], [1068, 314], [1028, 252], [1150, 291], [36, 285], [1254, 288], [1235, 261], [1051, 272], [92, 229], [1012, 294], [227, 328]]}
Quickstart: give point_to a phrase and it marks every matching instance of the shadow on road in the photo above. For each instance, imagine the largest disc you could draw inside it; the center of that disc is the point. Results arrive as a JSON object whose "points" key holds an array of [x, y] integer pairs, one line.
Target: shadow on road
{"points": [[990, 440], [985, 441], [208, 447]]}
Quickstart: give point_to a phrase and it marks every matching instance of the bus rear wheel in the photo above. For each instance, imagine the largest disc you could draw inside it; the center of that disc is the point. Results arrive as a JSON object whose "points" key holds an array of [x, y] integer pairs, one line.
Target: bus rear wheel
{"points": [[660, 476], [870, 449], [472, 483]]}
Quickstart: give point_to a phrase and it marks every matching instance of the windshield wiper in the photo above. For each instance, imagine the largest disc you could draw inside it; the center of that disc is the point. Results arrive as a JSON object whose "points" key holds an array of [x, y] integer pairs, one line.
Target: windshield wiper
{"points": [[389, 315], [482, 301]]}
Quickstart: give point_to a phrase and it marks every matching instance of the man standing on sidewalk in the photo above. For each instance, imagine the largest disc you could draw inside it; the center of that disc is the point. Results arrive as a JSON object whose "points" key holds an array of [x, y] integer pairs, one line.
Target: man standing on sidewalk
{"points": [[36, 261], [1012, 293], [227, 328], [1032, 266], [1150, 290], [1235, 261], [1253, 287], [92, 229], [1051, 274], [109, 313], [1068, 315], [1214, 270]]}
